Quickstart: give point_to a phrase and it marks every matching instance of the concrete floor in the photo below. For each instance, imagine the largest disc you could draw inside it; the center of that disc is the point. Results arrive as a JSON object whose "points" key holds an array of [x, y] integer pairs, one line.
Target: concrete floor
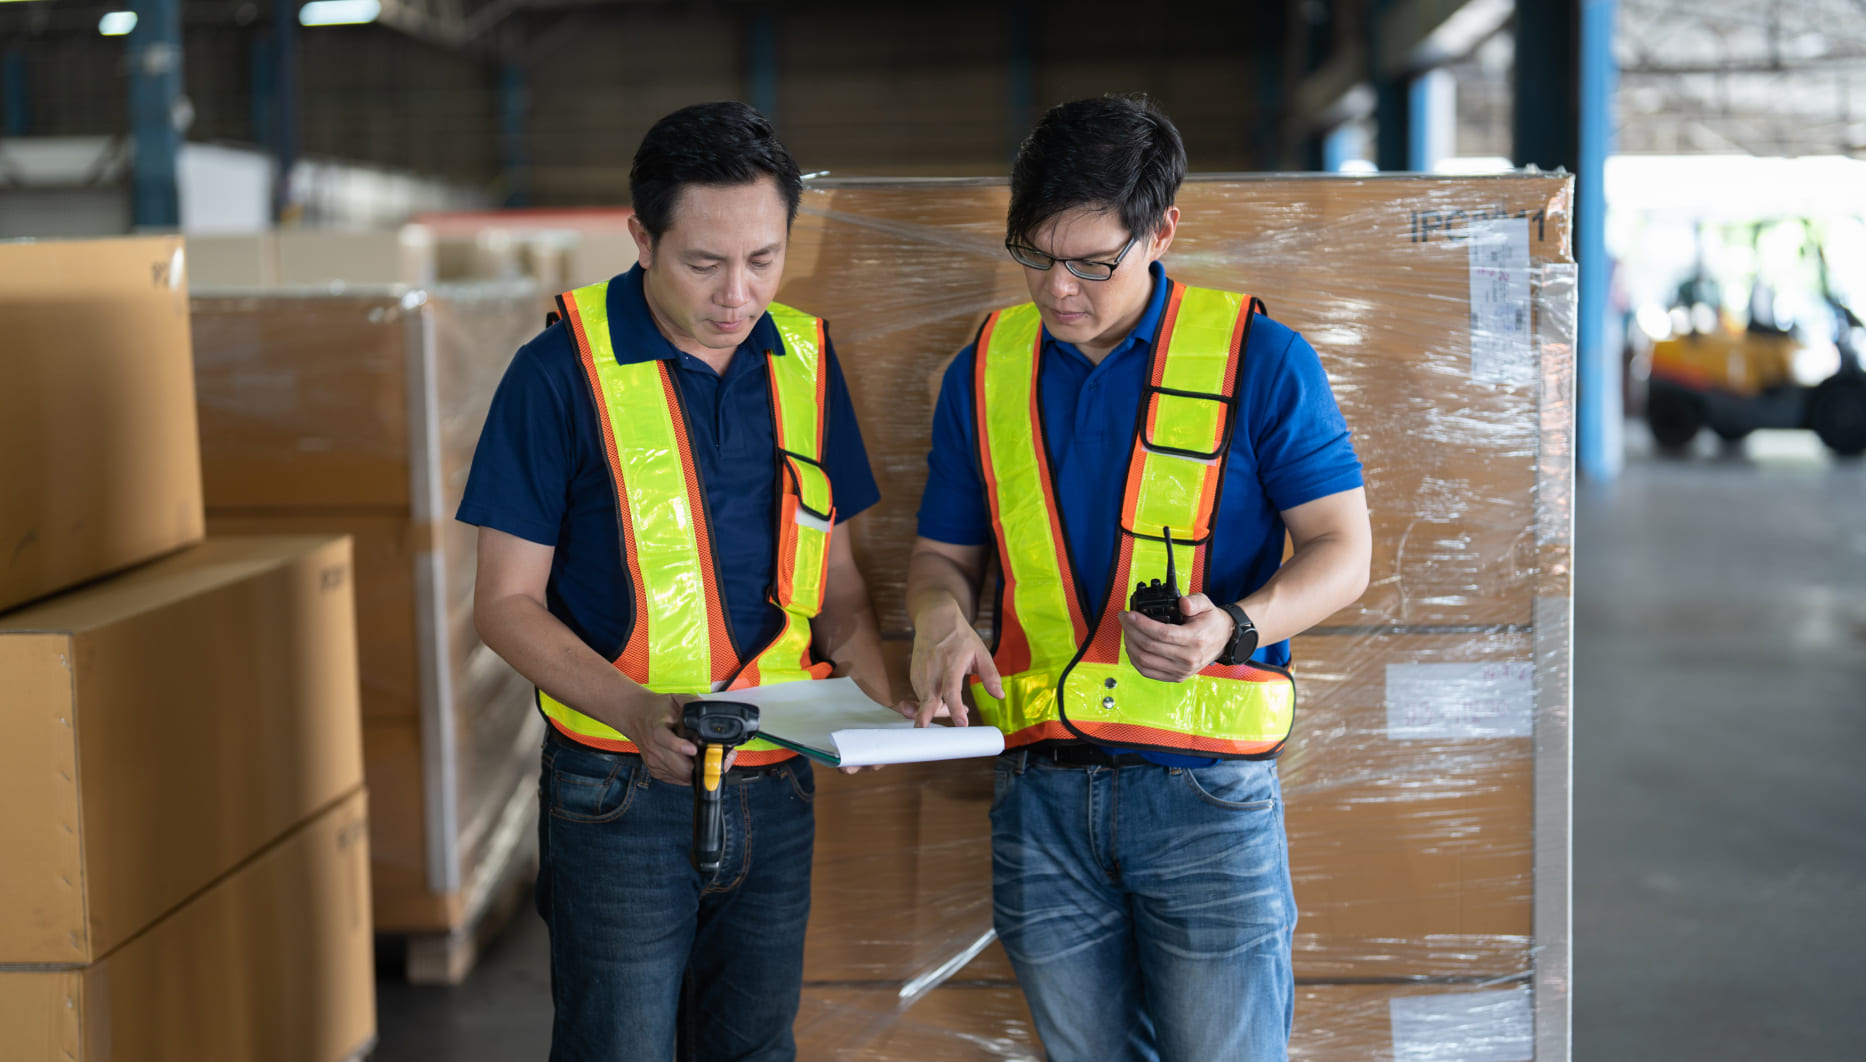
{"points": [[1720, 779], [1720, 758]]}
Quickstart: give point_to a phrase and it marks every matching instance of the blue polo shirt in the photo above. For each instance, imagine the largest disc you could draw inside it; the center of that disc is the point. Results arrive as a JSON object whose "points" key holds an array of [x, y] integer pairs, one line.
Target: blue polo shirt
{"points": [[1290, 446], [541, 471]]}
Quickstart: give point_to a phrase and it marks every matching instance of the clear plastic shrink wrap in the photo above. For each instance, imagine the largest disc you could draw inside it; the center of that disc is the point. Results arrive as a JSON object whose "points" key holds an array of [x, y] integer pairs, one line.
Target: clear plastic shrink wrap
{"points": [[1426, 783], [357, 411]]}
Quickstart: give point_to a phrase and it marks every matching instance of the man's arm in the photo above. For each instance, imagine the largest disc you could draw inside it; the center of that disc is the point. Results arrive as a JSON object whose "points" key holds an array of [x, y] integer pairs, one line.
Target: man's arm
{"points": [[1327, 571], [846, 630], [509, 611], [942, 598]]}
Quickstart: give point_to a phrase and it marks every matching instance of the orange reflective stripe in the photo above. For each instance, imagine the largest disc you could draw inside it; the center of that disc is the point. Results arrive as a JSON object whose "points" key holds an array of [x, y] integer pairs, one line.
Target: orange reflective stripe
{"points": [[747, 757], [633, 661]]}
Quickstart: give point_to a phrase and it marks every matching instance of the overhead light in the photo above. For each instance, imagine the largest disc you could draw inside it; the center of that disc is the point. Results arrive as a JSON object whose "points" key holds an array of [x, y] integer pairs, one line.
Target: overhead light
{"points": [[117, 23], [339, 12]]}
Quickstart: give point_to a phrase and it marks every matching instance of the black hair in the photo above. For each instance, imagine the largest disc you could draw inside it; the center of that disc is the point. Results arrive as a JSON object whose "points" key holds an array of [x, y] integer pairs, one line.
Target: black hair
{"points": [[1117, 152], [717, 144]]}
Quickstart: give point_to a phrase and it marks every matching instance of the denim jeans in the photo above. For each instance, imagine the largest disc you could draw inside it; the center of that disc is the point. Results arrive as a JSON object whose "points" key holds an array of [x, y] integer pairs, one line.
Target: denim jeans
{"points": [[629, 916], [1146, 909]]}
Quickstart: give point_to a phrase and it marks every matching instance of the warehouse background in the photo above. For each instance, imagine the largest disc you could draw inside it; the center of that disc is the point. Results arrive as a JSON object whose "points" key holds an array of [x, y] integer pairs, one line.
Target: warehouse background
{"points": [[1720, 638]]}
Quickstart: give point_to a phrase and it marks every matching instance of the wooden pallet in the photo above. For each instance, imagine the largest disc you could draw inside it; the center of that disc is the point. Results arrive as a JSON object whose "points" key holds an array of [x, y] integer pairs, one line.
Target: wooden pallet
{"points": [[448, 958]]}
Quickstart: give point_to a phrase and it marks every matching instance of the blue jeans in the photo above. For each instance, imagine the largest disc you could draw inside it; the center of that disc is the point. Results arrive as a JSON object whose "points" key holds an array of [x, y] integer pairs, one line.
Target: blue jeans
{"points": [[1146, 909], [629, 916]]}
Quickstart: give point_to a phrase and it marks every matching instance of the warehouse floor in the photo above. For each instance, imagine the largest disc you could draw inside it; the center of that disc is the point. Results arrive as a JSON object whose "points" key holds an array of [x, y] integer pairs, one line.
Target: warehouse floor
{"points": [[1720, 778]]}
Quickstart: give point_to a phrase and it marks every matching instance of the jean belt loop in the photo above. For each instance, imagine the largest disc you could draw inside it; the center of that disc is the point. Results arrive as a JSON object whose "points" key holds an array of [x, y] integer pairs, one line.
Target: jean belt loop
{"points": [[1022, 760]]}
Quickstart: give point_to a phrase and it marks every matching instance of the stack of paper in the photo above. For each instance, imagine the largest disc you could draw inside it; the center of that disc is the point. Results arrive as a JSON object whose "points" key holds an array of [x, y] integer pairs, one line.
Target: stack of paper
{"points": [[835, 722]]}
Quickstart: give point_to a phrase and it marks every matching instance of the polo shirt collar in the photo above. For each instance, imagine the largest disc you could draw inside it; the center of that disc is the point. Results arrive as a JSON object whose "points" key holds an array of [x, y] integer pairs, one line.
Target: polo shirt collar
{"points": [[1144, 329], [636, 338]]}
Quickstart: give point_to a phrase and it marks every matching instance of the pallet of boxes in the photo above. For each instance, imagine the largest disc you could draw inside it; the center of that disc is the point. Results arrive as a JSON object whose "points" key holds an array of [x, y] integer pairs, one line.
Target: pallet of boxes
{"points": [[1426, 783], [346, 409], [184, 853]]}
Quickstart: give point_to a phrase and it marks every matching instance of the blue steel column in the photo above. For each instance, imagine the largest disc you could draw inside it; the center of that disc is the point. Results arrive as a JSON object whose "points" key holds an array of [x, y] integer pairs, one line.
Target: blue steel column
{"points": [[762, 78], [18, 119], [1431, 121], [514, 105], [1601, 448], [155, 93], [284, 111]]}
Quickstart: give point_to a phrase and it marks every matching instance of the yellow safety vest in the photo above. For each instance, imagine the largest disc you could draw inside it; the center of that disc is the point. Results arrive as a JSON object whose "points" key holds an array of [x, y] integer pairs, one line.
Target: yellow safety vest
{"points": [[681, 640], [1062, 679]]}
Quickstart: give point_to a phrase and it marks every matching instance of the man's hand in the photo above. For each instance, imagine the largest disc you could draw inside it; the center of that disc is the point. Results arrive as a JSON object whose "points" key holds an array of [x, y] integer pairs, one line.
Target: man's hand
{"points": [[1172, 653], [946, 650], [652, 722]]}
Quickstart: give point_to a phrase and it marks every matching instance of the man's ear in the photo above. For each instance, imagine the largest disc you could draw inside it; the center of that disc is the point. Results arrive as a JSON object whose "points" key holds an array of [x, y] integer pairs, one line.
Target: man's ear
{"points": [[644, 242], [1162, 237]]}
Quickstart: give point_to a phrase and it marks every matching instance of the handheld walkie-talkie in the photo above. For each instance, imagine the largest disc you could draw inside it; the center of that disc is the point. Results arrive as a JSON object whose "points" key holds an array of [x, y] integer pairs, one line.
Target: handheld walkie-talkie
{"points": [[717, 727], [1156, 600]]}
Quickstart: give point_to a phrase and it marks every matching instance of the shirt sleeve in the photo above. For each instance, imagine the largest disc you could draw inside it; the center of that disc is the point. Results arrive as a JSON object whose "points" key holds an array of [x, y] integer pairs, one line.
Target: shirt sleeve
{"points": [[845, 456], [522, 468], [954, 508], [1302, 444]]}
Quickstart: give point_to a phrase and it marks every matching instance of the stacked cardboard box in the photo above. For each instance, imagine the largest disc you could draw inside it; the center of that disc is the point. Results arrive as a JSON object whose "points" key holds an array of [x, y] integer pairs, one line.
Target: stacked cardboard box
{"points": [[1426, 784], [184, 868], [101, 467], [358, 413]]}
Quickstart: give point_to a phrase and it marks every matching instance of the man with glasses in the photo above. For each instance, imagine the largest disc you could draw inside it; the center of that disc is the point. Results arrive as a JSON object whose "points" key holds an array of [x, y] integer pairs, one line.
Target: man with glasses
{"points": [[1119, 430]]}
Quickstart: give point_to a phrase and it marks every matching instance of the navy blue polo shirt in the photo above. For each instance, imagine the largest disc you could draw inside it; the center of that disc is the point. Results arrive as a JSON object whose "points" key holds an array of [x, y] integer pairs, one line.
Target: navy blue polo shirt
{"points": [[541, 471], [1290, 446]]}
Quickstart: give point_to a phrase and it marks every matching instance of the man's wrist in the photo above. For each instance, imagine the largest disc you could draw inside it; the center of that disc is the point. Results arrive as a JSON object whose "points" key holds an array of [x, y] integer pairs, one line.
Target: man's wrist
{"points": [[938, 609], [1242, 640]]}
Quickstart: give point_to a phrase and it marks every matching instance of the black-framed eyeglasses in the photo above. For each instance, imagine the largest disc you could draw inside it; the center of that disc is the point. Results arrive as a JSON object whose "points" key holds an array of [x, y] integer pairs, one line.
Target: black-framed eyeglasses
{"points": [[1086, 268]]}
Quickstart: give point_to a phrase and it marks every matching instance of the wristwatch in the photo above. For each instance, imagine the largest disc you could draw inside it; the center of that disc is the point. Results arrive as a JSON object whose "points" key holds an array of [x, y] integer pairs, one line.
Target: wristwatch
{"points": [[1243, 638]]}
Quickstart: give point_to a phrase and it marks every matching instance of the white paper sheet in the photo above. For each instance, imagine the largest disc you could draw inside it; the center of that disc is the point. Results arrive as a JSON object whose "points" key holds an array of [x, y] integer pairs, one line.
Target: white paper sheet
{"points": [[835, 722], [1501, 352], [1452, 701], [1463, 1027]]}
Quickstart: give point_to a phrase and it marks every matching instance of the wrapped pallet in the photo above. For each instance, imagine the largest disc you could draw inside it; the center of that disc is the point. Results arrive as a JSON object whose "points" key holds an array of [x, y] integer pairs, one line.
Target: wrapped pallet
{"points": [[1426, 785], [357, 412]]}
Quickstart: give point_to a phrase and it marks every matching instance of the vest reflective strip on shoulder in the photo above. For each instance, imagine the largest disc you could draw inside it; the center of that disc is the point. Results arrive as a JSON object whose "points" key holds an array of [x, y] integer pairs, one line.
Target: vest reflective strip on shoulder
{"points": [[1189, 409], [799, 394], [683, 627], [1044, 620]]}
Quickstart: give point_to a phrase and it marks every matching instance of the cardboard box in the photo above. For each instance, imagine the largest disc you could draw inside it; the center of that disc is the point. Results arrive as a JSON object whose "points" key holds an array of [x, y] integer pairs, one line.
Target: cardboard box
{"points": [[158, 728], [97, 417], [1376, 273], [902, 876], [1411, 843], [272, 964], [1409, 805], [495, 728], [971, 1020]]}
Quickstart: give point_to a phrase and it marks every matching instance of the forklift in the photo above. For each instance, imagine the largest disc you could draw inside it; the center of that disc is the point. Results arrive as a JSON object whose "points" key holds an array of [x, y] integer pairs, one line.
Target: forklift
{"points": [[1737, 381]]}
